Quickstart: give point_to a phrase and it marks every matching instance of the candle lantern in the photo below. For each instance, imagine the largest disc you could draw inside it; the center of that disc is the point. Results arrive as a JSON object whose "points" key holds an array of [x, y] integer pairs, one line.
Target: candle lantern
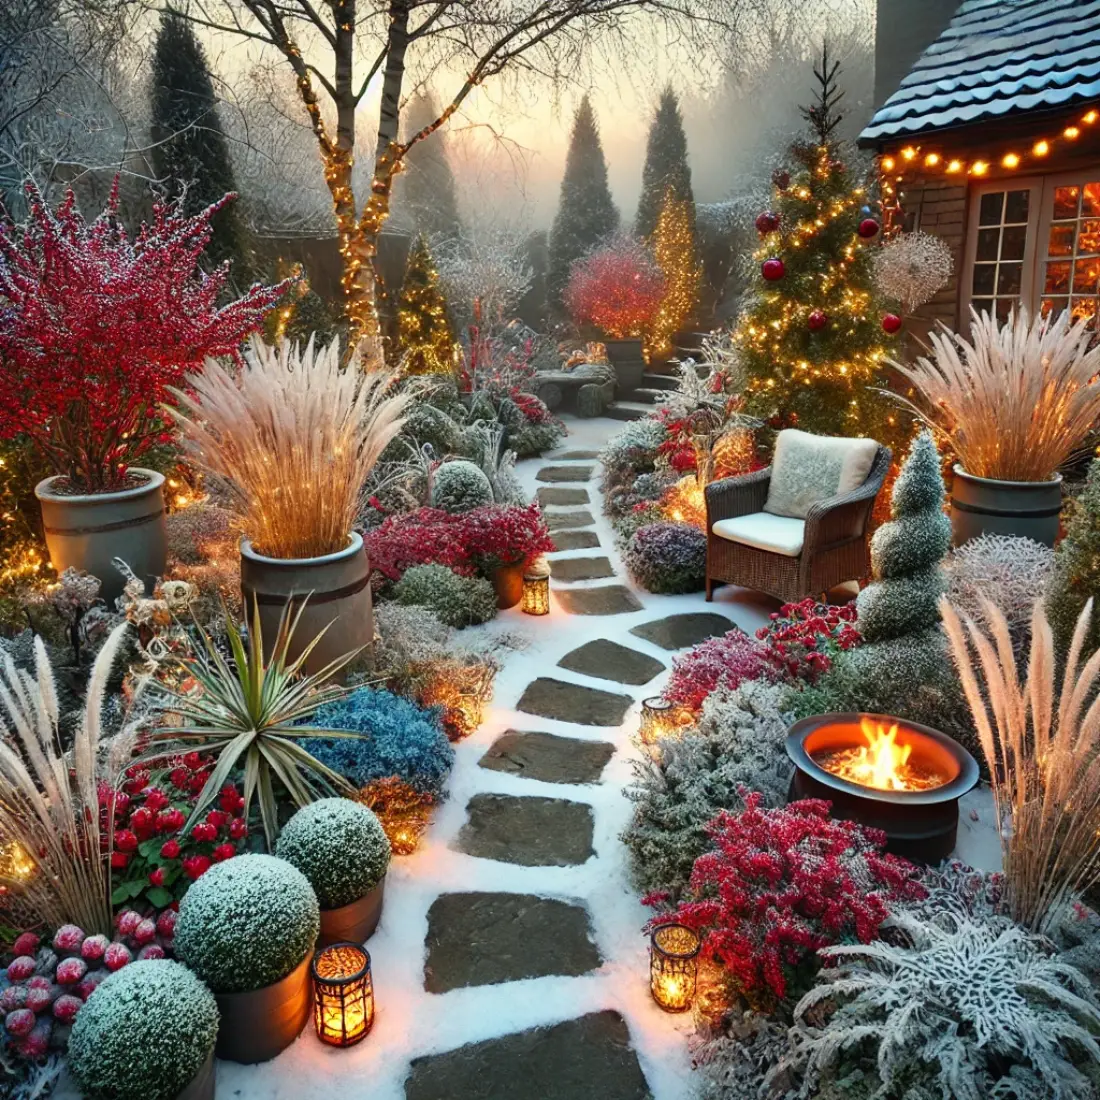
{"points": [[658, 719], [536, 593], [673, 966], [343, 994]]}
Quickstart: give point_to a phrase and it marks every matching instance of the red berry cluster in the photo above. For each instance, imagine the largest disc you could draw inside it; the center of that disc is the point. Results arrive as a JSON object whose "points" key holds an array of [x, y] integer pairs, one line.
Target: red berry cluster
{"points": [[725, 661], [804, 637]]}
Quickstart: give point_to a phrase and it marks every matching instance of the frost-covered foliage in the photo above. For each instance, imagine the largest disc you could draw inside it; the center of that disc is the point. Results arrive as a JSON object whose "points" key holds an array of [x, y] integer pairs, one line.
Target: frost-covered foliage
{"points": [[497, 463], [400, 738], [634, 448], [145, 1033], [736, 745], [340, 846], [970, 1011], [1076, 575], [247, 923], [408, 635], [732, 1063], [456, 601], [460, 486], [721, 662], [668, 557]]}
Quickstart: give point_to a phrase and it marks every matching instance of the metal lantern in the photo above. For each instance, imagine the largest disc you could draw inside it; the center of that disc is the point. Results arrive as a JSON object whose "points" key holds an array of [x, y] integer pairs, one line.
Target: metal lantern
{"points": [[659, 719], [536, 593], [343, 994], [673, 966]]}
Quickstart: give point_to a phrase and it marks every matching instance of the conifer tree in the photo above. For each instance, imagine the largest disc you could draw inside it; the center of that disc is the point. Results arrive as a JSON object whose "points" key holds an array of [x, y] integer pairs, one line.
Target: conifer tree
{"points": [[423, 331], [425, 189], [1076, 575], [674, 251], [586, 215], [666, 166]]}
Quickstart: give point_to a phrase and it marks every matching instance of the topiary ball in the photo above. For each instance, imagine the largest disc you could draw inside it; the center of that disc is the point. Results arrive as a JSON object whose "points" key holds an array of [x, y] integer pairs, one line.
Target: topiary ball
{"points": [[460, 486], [668, 557], [247, 923], [143, 1034], [456, 601], [340, 846]]}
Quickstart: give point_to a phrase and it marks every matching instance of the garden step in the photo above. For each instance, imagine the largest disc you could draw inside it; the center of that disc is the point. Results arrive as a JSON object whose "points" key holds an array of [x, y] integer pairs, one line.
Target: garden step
{"points": [[606, 660], [661, 381], [558, 521], [566, 702], [575, 540], [680, 631], [573, 456], [649, 396], [564, 473], [547, 757], [549, 496], [608, 599], [568, 570], [627, 410], [529, 831]]}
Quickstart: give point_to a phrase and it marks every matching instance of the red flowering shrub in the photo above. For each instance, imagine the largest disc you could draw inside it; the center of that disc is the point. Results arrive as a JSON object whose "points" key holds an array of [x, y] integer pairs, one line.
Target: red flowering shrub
{"points": [[496, 535], [94, 328], [724, 661], [618, 289], [780, 884], [533, 408], [804, 637]]}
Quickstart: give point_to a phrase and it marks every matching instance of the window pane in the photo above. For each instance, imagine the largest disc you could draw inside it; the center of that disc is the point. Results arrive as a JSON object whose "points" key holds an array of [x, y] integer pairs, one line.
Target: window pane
{"points": [[1004, 307], [1008, 278], [1057, 279], [989, 213], [1016, 207], [1061, 238], [1086, 274], [1084, 307], [1053, 305], [983, 278], [1013, 239], [1089, 240], [988, 240], [1065, 202], [1090, 200]]}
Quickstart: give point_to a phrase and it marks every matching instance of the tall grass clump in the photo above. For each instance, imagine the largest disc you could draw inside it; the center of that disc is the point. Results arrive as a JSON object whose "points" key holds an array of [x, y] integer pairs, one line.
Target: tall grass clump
{"points": [[294, 436], [1016, 400]]}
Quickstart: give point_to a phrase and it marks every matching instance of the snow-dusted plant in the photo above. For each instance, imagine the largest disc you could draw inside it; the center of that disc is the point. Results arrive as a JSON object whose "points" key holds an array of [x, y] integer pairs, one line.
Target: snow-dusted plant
{"points": [[144, 1034], [460, 486], [967, 1010], [635, 447], [340, 846], [497, 463], [409, 634], [456, 601], [247, 923], [668, 557], [913, 268]]}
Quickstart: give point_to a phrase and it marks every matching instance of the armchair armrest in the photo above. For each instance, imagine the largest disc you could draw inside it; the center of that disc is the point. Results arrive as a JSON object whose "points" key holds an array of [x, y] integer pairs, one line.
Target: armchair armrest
{"points": [[840, 519], [737, 496]]}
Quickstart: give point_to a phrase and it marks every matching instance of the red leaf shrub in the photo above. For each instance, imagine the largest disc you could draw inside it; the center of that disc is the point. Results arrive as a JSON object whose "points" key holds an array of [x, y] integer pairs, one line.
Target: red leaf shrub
{"points": [[724, 661], [618, 289], [803, 638], [496, 535], [94, 328], [783, 883]]}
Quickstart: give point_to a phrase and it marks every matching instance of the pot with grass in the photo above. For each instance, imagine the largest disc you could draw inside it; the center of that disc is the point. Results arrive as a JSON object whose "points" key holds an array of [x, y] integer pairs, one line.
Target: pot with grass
{"points": [[1013, 403]]}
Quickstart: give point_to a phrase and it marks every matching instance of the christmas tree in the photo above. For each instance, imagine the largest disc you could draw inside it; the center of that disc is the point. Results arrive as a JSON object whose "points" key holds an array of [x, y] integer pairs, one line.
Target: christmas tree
{"points": [[674, 251], [666, 166], [423, 331], [425, 189], [189, 148], [812, 339], [586, 215]]}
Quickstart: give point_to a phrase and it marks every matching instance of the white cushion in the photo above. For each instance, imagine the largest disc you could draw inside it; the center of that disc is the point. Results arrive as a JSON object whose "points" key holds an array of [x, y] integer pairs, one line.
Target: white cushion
{"points": [[809, 468], [779, 534]]}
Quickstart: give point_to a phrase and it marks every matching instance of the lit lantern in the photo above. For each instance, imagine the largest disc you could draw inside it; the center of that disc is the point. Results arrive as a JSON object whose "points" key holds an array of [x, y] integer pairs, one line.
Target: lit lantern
{"points": [[536, 593], [659, 719], [343, 995], [673, 966]]}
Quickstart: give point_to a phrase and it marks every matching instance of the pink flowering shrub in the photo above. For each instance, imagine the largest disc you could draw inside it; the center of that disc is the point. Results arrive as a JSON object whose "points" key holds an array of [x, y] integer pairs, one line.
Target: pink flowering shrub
{"points": [[782, 883], [618, 289], [804, 637], [725, 661]]}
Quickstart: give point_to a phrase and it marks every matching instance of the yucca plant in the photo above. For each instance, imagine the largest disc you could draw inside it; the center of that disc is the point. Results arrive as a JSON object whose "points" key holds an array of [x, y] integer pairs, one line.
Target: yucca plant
{"points": [[249, 713]]}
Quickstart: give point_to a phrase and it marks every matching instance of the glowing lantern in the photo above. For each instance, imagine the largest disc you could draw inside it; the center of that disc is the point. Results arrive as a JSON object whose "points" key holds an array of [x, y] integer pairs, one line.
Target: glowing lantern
{"points": [[536, 593], [673, 966], [343, 994]]}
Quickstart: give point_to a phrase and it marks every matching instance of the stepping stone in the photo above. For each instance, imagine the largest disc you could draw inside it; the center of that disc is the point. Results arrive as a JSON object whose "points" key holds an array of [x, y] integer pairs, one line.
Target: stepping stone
{"points": [[549, 496], [557, 520], [564, 473], [585, 706], [566, 456], [485, 939], [575, 540], [548, 757], [611, 661], [585, 1059], [680, 631], [581, 569], [533, 832], [610, 599]]}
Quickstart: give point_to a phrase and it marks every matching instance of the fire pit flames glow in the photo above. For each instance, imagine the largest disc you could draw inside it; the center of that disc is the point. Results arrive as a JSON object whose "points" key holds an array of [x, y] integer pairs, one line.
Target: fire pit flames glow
{"points": [[883, 763]]}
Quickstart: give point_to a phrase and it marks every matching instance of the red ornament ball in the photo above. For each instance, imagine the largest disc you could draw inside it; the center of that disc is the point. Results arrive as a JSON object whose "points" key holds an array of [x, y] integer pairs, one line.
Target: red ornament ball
{"points": [[868, 228], [773, 269], [767, 222], [817, 320], [781, 178], [891, 323]]}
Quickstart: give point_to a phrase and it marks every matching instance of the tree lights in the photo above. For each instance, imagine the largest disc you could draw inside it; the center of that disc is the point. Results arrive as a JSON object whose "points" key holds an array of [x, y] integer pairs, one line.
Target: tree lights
{"points": [[674, 251], [618, 289], [423, 329]]}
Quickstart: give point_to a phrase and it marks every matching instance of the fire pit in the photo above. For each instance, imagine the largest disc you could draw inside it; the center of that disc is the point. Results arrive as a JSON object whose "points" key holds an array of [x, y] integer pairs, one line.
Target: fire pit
{"points": [[883, 772]]}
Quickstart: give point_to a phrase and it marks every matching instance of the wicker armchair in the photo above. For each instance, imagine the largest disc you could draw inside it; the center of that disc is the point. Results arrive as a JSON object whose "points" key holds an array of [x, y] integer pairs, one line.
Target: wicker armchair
{"points": [[834, 543]]}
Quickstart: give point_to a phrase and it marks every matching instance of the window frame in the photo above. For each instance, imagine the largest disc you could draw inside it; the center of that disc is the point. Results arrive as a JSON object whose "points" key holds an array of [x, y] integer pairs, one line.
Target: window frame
{"points": [[1050, 184]]}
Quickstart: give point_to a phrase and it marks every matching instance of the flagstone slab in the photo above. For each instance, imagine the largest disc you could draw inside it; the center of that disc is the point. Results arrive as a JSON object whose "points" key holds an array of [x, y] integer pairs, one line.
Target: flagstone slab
{"points": [[575, 540], [566, 702], [581, 569], [589, 1058], [548, 757], [610, 661], [564, 473], [567, 456], [549, 496], [608, 599], [487, 938], [530, 831], [680, 631], [556, 521]]}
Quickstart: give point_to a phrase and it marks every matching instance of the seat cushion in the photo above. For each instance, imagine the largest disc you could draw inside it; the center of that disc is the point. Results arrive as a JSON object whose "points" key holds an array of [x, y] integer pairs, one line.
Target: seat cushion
{"points": [[779, 534], [810, 468]]}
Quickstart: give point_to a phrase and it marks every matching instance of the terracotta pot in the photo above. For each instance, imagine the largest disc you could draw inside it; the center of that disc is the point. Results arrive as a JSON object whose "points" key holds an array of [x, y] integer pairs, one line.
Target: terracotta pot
{"points": [[257, 1025], [88, 531], [355, 922], [338, 587], [507, 582], [202, 1084], [988, 506]]}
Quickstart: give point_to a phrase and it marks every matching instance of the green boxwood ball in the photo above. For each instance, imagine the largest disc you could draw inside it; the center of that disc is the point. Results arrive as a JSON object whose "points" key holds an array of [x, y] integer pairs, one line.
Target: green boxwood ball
{"points": [[460, 486]]}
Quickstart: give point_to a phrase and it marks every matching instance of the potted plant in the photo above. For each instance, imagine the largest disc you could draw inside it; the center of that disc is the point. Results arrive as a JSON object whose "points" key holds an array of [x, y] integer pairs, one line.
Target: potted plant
{"points": [[501, 540], [147, 1034], [247, 928], [617, 290], [293, 436], [1013, 404], [86, 384], [341, 847]]}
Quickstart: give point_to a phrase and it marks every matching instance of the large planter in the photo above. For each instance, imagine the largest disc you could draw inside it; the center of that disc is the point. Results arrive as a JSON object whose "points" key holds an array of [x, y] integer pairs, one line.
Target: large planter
{"points": [[90, 530], [986, 506], [354, 923], [339, 597], [202, 1084], [626, 357], [507, 581], [257, 1025]]}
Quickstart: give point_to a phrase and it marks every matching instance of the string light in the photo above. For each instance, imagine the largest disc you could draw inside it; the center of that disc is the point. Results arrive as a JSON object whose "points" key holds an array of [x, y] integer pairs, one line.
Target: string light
{"points": [[423, 328], [674, 252]]}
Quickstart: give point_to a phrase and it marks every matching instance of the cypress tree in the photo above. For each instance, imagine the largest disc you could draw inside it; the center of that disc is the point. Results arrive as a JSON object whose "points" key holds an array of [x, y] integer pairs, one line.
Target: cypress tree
{"points": [[426, 187], [666, 166], [586, 214]]}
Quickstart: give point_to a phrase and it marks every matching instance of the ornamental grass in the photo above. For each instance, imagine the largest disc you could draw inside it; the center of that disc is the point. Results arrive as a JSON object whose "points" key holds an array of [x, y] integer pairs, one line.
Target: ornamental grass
{"points": [[1017, 400], [294, 437]]}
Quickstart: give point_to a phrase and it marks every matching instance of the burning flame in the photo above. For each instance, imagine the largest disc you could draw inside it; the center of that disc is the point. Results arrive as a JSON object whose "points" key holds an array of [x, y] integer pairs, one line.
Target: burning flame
{"points": [[881, 763]]}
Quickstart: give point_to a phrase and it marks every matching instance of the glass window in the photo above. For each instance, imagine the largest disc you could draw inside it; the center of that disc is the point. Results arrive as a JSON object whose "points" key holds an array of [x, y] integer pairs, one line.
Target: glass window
{"points": [[1071, 263], [997, 278]]}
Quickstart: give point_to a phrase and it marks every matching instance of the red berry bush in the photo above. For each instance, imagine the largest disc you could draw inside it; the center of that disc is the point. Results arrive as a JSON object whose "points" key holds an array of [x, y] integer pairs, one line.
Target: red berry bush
{"points": [[725, 661], [804, 637], [618, 289]]}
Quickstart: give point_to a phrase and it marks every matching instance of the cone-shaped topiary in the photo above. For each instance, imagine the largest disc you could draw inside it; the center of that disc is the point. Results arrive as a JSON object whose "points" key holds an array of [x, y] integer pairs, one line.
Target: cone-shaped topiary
{"points": [[460, 486], [1076, 575]]}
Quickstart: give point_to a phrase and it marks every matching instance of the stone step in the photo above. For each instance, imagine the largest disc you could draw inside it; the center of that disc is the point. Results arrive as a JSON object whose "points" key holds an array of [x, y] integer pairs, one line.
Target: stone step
{"points": [[547, 697], [607, 660], [646, 395], [661, 381], [527, 830], [548, 757], [627, 410]]}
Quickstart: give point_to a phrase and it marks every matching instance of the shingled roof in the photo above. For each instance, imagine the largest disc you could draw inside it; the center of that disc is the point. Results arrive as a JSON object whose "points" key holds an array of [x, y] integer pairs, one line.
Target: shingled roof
{"points": [[997, 58]]}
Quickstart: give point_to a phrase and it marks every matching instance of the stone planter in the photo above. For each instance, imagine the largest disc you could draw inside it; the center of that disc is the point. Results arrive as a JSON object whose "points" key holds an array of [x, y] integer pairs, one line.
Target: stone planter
{"points": [[507, 581], [626, 357], [353, 923], [89, 530], [987, 506], [339, 594], [257, 1025]]}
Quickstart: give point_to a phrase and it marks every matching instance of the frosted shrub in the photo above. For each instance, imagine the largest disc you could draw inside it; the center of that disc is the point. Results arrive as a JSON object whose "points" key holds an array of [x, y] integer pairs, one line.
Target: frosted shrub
{"points": [[454, 600], [144, 1034], [247, 923], [668, 557], [460, 486], [635, 447]]}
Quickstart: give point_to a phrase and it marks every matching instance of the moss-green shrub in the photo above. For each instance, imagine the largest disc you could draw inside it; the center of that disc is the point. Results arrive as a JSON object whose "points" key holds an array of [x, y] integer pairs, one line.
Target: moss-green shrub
{"points": [[145, 1033], [454, 600], [668, 557], [247, 923], [460, 486], [340, 846], [1076, 575]]}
